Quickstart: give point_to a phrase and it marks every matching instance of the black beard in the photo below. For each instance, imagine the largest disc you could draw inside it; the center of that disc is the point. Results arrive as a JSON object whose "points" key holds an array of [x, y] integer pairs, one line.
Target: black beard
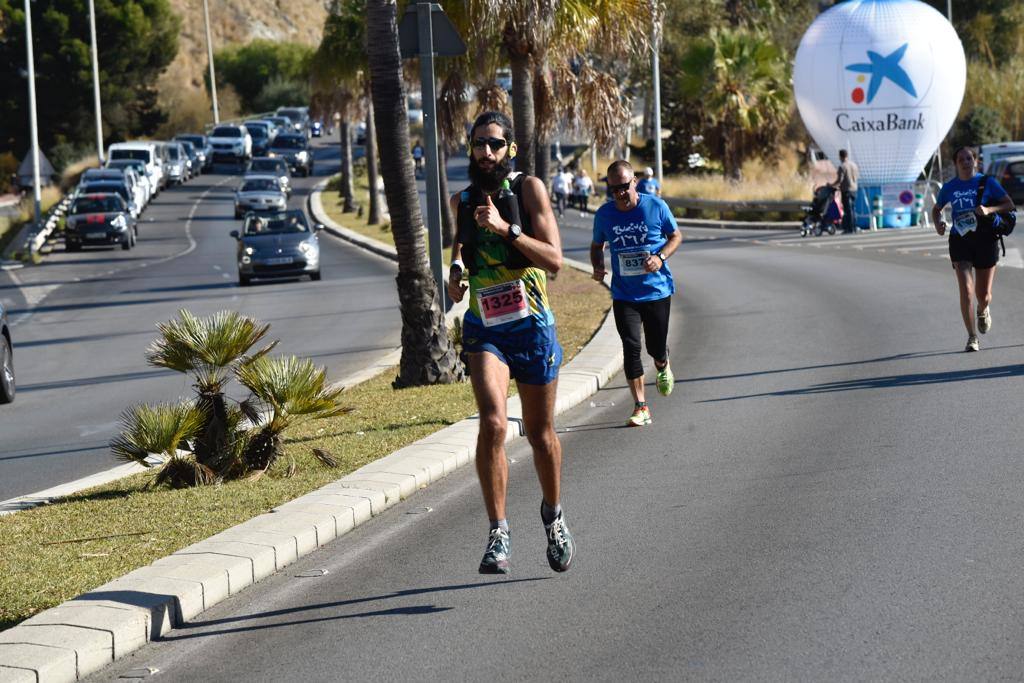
{"points": [[488, 181]]}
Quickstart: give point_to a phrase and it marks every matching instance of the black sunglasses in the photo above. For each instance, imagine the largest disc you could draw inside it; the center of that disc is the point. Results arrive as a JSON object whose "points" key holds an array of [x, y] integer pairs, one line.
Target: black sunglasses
{"points": [[614, 189], [494, 143]]}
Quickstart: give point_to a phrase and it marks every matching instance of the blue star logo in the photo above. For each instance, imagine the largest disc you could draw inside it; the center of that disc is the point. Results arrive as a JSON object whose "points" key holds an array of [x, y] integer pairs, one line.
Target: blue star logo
{"points": [[885, 67]]}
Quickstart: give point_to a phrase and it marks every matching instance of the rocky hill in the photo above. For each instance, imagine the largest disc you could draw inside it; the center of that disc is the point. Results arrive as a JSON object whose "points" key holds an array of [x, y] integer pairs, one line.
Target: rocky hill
{"points": [[232, 22]]}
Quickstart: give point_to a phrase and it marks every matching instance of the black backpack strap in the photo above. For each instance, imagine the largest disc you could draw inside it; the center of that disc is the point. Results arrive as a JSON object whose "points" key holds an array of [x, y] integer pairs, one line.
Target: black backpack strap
{"points": [[981, 190]]}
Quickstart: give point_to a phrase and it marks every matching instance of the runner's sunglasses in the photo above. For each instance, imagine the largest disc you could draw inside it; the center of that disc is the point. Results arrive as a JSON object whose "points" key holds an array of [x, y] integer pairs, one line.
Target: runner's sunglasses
{"points": [[494, 143], [621, 187]]}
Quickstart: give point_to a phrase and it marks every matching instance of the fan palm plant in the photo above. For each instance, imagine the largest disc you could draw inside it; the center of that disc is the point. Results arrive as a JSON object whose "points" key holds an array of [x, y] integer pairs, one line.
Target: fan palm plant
{"points": [[209, 349], [292, 390], [161, 429]]}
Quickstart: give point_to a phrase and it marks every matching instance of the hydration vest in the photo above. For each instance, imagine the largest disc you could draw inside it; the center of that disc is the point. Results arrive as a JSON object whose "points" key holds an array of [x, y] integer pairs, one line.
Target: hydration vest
{"points": [[510, 207]]}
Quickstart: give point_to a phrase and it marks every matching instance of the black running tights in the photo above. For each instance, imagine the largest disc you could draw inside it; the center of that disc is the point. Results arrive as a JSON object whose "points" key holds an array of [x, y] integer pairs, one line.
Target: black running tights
{"points": [[653, 316]]}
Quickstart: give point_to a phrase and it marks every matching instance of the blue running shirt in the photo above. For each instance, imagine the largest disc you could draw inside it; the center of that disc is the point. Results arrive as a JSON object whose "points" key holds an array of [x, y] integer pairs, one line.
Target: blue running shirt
{"points": [[961, 196], [631, 236]]}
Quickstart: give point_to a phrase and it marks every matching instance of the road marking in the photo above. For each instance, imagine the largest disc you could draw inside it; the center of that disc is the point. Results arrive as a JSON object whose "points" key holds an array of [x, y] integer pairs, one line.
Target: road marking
{"points": [[1013, 258], [216, 267]]}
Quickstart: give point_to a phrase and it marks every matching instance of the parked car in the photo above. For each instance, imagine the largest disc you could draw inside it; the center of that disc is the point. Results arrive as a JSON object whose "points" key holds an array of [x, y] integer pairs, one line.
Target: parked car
{"points": [[277, 245], [192, 158], [282, 124], [147, 153], [293, 148], [110, 186], [272, 166], [135, 169], [138, 193], [298, 117], [175, 163], [99, 219], [202, 146], [261, 137], [8, 386], [1009, 171], [260, 193], [231, 143]]}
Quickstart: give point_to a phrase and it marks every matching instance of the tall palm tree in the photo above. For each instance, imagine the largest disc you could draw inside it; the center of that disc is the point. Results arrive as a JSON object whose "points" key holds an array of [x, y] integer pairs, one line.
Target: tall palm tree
{"points": [[427, 353], [372, 170], [337, 69], [741, 77]]}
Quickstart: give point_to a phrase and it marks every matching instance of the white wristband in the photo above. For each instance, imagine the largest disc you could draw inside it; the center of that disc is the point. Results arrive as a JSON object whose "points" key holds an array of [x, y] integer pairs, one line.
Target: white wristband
{"points": [[457, 263]]}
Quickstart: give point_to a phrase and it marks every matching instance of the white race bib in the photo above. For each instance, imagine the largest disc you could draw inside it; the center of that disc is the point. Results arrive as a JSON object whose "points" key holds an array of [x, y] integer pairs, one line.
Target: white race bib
{"points": [[632, 262], [503, 303], [965, 222]]}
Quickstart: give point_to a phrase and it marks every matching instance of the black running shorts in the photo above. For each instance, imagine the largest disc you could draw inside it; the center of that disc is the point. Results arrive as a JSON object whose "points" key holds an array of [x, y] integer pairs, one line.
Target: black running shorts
{"points": [[980, 250]]}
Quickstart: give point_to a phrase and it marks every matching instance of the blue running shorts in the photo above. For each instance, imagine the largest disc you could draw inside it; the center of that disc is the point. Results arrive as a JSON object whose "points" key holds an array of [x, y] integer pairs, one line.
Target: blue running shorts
{"points": [[533, 356]]}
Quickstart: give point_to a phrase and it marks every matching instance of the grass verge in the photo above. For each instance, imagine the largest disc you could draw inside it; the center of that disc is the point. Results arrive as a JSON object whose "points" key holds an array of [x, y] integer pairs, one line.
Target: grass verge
{"points": [[53, 553]]}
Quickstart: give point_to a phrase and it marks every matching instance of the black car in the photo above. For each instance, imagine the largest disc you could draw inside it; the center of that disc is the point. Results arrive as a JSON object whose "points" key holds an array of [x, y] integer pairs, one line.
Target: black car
{"points": [[110, 187], [293, 148], [99, 220], [276, 245], [202, 147], [7, 383], [1009, 171], [260, 134]]}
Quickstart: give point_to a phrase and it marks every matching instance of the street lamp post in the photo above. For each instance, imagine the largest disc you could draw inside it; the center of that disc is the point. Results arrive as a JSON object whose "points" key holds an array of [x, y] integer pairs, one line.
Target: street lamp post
{"points": [[209, 52], [96, 81], [656, 86], [37, 193]]}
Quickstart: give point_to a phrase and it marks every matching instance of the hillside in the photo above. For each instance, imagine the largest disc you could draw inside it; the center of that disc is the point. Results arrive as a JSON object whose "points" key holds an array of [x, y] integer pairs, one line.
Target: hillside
{"points": [[234, 21]]}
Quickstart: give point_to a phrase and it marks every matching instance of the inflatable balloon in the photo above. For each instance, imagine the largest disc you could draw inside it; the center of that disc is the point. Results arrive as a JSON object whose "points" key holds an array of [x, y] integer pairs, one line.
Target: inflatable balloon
{"points": [[883, 79]]}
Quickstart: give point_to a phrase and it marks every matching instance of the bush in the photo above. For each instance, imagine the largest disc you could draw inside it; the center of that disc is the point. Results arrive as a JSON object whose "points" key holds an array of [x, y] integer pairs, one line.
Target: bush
{"points": [[251, 68], [280, 92], [981, 125], [8, 169]]}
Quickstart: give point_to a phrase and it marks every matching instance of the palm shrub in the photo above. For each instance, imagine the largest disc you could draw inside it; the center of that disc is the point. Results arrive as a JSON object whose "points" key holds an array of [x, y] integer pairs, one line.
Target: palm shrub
{"points": [[214, 438]]}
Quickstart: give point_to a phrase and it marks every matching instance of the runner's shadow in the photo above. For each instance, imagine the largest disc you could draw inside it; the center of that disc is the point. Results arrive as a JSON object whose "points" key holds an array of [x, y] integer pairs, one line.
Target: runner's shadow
{"points": [[414, 610], [568, 429], [891, 381]]}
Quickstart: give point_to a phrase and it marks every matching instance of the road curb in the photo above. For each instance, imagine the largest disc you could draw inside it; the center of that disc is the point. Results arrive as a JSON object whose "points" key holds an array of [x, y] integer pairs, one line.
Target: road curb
{"points": [[85, 634]]}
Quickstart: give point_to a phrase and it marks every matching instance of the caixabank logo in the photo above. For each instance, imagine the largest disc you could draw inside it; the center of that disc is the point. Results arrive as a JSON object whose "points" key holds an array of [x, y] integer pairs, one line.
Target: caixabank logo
{"points": [[879, 72]]}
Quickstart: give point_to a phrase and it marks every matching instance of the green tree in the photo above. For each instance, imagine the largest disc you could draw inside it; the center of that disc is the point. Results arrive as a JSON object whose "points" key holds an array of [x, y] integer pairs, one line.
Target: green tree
{"points": [[281, 92], [740, 80], [981, 125], [427, 353], [251, 67], [137, 40]]}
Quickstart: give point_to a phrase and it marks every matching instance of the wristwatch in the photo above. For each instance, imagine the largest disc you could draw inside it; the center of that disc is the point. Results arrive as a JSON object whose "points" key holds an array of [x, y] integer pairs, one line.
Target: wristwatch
{"points": [[514, 231], [662, 257]]}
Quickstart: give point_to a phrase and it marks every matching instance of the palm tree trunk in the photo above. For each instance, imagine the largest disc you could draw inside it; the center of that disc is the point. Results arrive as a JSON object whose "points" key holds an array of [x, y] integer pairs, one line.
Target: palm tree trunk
{"points": [[372, 171], [427, 353], [542, 161], [346, 191], [447, 221], [522, 111]]}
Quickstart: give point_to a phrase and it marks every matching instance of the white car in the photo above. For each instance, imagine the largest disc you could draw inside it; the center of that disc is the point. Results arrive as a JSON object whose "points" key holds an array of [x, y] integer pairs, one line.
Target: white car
{"points": [[137, 170], [232, 143], [148, 153]]}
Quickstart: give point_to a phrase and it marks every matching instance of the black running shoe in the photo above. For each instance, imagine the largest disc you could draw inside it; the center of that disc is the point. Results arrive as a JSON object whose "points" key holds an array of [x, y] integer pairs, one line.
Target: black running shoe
{"points": [[561, 547], [499, 547]]}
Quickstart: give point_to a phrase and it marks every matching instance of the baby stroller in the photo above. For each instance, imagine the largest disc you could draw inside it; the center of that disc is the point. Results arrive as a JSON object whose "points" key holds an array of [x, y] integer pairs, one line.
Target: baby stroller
{"points": [[825, 213]]}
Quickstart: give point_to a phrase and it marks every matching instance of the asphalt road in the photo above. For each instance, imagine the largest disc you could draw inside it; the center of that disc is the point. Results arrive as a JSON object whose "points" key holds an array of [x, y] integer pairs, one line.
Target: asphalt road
{"points": [[82, 322], [833, 492]]}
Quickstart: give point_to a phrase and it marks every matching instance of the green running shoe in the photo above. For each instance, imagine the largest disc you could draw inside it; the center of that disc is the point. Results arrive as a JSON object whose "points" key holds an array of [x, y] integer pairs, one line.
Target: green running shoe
{"points": [[499, 547], [666, 381], [561, 547], [641, 417]]}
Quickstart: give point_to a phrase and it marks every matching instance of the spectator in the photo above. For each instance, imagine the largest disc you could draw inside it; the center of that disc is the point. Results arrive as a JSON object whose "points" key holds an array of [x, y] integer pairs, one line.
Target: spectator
{"points": [[648, 184], [583, 187]]}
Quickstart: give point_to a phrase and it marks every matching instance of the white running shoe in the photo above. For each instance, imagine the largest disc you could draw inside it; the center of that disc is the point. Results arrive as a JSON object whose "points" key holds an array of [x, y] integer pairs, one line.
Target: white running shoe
{"points": [[985, 320], [972, 344]]}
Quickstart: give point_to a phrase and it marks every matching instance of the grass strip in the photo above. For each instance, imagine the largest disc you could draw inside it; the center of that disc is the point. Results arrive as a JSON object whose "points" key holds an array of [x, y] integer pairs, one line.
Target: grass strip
{"points": [[55, 552]]}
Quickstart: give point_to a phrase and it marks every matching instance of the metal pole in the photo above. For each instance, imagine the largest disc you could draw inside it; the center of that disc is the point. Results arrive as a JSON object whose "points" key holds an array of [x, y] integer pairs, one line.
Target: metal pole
{"points": [[209, 53], [32, 112], [949, 10], [96, 81], [656, 65], [426, 55]]}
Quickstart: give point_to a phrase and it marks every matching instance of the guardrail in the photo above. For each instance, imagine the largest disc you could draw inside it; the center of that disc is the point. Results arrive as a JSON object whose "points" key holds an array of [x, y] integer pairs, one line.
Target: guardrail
{"points": [[33, 237], [755, 206]]}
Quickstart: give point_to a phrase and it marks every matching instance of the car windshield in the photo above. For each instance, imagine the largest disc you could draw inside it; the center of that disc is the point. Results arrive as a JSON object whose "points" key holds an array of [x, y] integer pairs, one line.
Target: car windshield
{"points": [[260, 185], [126, 163], [226, 132], [277, 224], [256, 131], [97, 205], [140, 154], [286, 142], [267, 165], [280, 121], [98, 188], [293, 114], [196, 140], [174, 153]]}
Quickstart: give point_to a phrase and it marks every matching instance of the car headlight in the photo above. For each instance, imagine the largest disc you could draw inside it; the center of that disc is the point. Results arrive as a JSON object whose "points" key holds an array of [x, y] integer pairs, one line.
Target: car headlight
{"points": [[306, 247], [271, 155], [248, 251], [301, 156], [246, 260]]}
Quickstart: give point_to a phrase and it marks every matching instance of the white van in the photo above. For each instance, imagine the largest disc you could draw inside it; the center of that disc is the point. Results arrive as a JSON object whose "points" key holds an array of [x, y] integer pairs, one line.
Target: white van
{"points": [[146, 152], [999, 150]]}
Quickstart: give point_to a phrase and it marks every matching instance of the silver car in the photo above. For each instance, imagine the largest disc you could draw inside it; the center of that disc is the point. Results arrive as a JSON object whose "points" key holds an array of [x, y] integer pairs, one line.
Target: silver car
{"points": [[260, 193], [7, 383], [262, 166]]}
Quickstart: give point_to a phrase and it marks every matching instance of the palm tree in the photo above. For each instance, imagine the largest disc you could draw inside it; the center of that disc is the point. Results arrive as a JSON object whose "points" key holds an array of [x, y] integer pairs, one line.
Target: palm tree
{"points": [[337, 68], [161, 429], [741, 78], [292, 391], [210, 349], [427, 353]]}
